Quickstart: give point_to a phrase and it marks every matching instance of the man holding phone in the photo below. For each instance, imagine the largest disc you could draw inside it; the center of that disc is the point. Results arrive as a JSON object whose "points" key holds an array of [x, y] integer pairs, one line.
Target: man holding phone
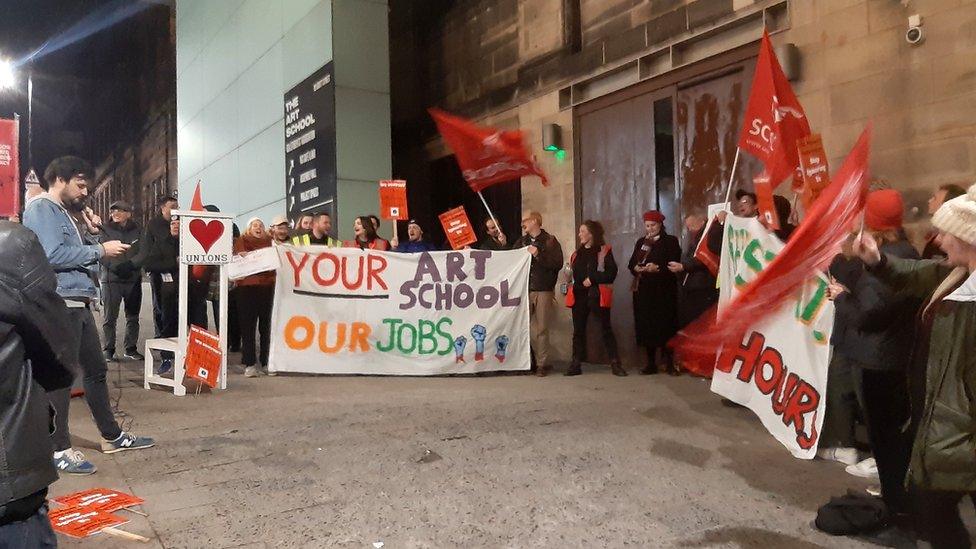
{"points": [[75, 256], [121, 282]]}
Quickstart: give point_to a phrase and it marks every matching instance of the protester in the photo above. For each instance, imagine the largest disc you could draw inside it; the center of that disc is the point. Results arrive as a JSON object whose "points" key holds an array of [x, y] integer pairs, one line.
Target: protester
{"points": [[255, 297], [943, 459], [163, 259], [415, 243], [696, 283], [591, 291], [279, 229], [376, 221], [320, 233], [157, 232], [304, 224], [233, 319], [746, 203], [547, 260], [880, 348], [942, 195], [121, 283], [783, 211], [366, 238], [655, 291], [35, 356], [494, 239], [75, 260]]}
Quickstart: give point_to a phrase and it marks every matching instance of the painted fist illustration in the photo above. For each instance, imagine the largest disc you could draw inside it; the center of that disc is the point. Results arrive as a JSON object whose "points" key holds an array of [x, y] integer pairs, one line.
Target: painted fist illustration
{"points": [[478, 333], [459, 344], [501, 346]]}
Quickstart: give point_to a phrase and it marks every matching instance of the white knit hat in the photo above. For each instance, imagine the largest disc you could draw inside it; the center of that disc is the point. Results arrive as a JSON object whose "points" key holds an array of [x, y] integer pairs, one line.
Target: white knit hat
{"points": [[958, 217]]}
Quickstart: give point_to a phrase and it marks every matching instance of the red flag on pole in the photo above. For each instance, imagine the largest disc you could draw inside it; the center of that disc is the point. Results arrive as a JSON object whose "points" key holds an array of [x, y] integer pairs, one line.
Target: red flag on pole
{"points": [[774, 118], [486, 155], [816, 241]]}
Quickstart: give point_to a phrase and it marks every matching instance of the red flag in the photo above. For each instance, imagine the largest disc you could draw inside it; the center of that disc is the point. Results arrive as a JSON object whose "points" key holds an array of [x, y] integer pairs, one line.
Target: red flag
{"points": [[486, 155], [196, 204], [774, 118], [9, 168], [816, 241]]}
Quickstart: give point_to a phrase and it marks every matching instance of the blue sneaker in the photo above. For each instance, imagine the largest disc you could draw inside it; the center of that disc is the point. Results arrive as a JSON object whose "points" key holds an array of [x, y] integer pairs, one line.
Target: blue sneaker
{"points": [[73, 462], [165, 366], [126, 442]]}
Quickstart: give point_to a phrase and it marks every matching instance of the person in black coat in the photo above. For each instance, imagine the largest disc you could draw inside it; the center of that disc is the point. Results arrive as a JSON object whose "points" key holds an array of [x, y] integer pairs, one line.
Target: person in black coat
{"points": [[696, 282], [655, 290], [594, 271]]}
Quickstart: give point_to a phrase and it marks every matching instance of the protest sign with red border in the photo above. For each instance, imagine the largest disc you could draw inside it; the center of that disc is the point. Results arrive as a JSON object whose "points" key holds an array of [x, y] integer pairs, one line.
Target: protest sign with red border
{"points": [[100, 499], [9, 168], [80, 522], [203, 356], [813, 167], [458, 228], [393, 200]]}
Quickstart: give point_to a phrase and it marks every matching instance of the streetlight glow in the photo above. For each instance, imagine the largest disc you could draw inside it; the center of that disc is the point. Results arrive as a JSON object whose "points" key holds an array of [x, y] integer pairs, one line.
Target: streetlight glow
{"points": [[8, 78]]}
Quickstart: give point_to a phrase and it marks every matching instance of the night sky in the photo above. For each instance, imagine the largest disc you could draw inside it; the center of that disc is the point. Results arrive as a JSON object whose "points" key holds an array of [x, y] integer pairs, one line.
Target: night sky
{"points": [[92, 94]]}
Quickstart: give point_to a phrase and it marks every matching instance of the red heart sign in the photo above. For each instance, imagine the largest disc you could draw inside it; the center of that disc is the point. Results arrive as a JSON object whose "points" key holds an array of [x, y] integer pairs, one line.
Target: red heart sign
{"points": [[206, 233]]}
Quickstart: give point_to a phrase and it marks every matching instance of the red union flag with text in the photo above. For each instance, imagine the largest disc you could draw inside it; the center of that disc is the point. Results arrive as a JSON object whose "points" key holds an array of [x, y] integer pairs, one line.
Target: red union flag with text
{"points": [[486, 155], [774, 118], [9, 168]]}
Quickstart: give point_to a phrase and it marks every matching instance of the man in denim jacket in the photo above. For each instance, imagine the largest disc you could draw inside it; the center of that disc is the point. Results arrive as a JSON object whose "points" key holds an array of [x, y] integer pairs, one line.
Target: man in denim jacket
{"points": [[74, 255]]}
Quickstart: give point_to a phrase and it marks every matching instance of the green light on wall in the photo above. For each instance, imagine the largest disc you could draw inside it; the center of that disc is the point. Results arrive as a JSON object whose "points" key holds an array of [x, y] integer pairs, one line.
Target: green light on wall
{"points": [[560, 155], [552, 148]]}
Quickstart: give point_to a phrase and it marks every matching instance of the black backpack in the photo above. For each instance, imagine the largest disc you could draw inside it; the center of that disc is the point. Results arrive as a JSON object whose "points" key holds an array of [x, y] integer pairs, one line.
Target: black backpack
{"points": [[852, 515]]}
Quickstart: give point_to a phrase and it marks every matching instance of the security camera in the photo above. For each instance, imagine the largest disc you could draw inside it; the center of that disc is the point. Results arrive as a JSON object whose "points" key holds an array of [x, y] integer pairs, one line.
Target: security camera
{"points": [[914, 35]]}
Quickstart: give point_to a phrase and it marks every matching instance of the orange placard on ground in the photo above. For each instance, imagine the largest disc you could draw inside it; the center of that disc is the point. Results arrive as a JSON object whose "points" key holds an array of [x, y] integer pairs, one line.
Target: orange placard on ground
{"points": [[203, 356], [393, 200], [764, 199], [99, 499], [458, 228], [80, 522], [813, 167]]}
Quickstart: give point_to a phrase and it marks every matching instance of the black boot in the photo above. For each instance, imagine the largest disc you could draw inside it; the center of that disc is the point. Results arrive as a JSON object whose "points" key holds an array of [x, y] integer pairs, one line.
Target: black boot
{"points": [[617, 369], [651, 367], [574, 369]]}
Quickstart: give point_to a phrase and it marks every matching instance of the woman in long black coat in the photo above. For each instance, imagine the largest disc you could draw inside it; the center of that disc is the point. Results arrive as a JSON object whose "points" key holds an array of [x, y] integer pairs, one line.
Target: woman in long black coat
{"points": [[655, 291]]}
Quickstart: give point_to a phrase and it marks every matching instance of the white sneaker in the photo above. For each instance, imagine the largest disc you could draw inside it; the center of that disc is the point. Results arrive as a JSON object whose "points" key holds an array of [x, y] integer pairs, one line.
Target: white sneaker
{"points": [[867, 468], [269, 373], [847, 456], [251, 371], [874, 490]]}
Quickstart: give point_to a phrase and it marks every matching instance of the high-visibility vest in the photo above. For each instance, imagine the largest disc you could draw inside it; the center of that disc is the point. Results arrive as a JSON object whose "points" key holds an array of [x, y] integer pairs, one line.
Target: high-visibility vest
{"points": [[306, 240]]}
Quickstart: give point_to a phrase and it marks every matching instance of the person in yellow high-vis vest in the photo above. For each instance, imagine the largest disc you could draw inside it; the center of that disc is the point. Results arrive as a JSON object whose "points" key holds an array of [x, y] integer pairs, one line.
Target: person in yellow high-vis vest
{"points": [[319, 235]]}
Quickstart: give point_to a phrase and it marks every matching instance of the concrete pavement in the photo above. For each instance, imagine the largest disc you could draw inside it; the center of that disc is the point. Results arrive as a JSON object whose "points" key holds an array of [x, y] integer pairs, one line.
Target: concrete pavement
{"points": [[510, 461]]}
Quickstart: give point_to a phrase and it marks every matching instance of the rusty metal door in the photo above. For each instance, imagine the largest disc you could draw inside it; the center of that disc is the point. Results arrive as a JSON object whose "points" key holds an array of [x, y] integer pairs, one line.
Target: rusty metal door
{"points": [[626, 166]]}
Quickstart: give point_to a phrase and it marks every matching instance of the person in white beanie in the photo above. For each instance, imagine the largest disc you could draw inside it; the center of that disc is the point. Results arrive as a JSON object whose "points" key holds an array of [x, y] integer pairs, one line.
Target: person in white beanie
{"points": [[943, 376]]}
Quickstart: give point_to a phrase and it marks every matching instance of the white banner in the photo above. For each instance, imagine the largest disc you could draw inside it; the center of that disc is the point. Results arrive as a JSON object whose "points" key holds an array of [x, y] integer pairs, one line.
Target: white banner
{"points": [[347, 311], [780, 369]]}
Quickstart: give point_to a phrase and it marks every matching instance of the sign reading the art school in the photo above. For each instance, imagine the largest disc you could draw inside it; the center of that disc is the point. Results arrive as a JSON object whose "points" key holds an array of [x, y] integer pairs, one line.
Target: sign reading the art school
{"points": [[310, 145], [350, 311], [779, 371]]}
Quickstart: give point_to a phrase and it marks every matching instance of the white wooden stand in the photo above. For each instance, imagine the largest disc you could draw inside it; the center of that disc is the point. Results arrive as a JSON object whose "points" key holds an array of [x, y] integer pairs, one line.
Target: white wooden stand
{"points": [[177, 345]]}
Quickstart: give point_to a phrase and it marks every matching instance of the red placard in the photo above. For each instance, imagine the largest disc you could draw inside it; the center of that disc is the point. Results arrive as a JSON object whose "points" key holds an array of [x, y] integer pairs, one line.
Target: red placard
{"points": [[203, 356], [393, 200], [764, 199], [458, 228], [9, 168], [100, 499], [80, 522], [813, 167]]}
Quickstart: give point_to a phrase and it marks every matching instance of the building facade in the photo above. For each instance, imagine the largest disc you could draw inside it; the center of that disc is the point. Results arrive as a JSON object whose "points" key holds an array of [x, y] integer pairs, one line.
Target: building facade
{"points": [[649, 96]]}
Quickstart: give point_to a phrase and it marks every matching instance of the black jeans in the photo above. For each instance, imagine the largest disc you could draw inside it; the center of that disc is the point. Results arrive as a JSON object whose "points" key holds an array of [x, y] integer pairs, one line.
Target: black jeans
{"points": [[233, 322], [34, 532], [93, 369], [887, 411], [113, 295], [155, 285], [581, 313], [842, 409], [938, 520], [254, 311]]}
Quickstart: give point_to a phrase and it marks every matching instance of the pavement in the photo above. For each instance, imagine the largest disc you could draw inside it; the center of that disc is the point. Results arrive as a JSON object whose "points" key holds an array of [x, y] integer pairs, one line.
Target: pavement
{"points": [[506, 461]]}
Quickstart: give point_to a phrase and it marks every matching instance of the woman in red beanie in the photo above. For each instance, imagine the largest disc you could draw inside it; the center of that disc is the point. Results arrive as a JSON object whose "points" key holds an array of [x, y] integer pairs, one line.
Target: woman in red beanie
{"points": [[874, 324], [655, 291]]}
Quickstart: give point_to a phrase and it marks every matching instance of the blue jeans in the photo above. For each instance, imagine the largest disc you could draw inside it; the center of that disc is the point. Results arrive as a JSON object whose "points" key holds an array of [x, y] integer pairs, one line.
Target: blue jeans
{"points": [[28, 534]]}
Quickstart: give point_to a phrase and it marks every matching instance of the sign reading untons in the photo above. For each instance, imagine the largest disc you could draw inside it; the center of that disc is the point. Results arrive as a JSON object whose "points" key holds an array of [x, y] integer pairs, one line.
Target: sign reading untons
{"points": [[205, 238], [350, 311], [779, 371]]}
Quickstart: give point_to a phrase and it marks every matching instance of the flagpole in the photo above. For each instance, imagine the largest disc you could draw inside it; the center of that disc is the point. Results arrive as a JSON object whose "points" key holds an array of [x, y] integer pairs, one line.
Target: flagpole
{"points": [[735, 163], [491, 215]]}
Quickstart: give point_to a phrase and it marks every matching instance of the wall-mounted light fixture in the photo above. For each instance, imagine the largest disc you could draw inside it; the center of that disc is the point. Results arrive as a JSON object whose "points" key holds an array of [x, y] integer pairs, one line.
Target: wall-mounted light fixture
{"points": [[552, 137], [789, 59]]}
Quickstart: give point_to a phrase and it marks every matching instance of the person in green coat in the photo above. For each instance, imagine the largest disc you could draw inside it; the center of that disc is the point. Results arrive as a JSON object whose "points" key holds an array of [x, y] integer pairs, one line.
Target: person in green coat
{"points": [[943, 377]]}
